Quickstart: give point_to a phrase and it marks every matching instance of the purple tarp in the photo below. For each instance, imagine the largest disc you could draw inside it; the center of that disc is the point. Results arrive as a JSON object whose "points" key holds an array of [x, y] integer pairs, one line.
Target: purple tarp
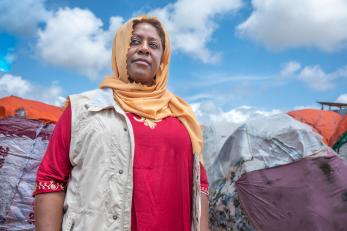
{"points": [[308, 195]]}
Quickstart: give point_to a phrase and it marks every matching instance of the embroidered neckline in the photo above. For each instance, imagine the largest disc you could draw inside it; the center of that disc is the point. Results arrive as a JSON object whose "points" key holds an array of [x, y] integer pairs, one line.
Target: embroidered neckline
{"points": [[147, 122]]}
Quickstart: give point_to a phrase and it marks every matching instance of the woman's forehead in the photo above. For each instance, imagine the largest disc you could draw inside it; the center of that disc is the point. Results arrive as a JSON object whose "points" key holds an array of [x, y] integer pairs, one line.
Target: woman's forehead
{"points": [[146, 29]]}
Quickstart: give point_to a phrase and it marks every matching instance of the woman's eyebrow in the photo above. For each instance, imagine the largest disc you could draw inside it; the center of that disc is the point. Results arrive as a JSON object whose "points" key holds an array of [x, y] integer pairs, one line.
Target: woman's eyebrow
{"points": [[149, 37]]}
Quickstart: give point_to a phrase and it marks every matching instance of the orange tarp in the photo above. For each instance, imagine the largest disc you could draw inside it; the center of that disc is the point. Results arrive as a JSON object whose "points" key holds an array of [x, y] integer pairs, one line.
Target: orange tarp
{"points": [[324, 122], [340, 130], [30, 109]]}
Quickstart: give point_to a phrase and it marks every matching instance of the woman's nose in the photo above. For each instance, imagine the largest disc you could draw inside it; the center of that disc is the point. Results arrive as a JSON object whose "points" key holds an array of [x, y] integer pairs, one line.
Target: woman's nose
{"points": [[144, 48]]}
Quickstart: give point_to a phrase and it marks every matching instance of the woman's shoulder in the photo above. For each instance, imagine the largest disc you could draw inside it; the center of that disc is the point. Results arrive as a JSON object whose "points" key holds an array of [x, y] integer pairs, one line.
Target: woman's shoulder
{"points": [[92, 93]]}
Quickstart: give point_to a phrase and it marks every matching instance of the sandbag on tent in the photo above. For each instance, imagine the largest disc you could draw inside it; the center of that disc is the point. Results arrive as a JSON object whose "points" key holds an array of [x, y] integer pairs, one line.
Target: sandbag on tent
{"points": [[325, 122], [308, 195], [23, 142], [259, 144]]}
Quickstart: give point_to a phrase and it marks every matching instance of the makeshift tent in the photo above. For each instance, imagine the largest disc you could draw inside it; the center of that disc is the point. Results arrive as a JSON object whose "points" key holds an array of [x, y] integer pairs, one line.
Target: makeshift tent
{"points": [[308, 195], [324, 122], [25, 128], [259, 162], [29, 109]]}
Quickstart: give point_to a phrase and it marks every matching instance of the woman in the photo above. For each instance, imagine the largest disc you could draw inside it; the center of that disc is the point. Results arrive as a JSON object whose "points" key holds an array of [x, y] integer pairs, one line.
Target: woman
{"points": [[130, 151]]}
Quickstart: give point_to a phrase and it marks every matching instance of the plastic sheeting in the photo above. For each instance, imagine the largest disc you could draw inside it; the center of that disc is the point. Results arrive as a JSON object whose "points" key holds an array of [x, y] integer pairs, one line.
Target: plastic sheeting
{"points": [[261, 143], [215, 135], [341, 146], [310, 195], [343, 151], [324, 122], [22, 145], [264, 143], [29, 109]]}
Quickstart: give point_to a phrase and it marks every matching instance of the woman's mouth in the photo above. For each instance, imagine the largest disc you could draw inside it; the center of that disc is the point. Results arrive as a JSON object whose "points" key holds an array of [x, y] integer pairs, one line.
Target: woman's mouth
{"points": [[142, 62]]}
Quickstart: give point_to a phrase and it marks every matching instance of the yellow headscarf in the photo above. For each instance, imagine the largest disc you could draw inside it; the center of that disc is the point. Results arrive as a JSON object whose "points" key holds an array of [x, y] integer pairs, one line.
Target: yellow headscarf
{"points": [[152, 102]]}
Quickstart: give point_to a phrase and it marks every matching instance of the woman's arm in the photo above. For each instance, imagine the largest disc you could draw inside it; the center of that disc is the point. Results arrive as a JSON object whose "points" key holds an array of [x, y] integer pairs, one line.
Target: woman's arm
{"points": [[204, 199], [49, 211], [204, 213], [52, 177]]}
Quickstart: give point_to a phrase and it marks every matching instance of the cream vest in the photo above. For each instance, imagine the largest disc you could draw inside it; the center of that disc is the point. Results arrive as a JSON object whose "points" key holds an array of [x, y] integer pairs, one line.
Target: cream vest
{"points": [[99, 193]]}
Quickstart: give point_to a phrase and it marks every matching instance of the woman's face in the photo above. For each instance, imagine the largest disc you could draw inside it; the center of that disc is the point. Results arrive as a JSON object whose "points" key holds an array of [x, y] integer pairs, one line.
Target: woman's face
{"points": [[144, 54]]}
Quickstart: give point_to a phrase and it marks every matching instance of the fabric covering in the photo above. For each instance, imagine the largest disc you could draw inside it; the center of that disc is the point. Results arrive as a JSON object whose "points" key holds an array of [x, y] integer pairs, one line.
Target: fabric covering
{"points": [[310, 195], [261, 143], [266, 142], [325, 122], [151, 102], [22, 145], [30, 109]]}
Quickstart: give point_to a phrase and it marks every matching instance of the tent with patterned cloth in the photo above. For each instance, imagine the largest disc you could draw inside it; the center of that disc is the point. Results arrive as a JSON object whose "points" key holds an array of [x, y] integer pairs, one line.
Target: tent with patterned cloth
{"points": [[277, 173]]}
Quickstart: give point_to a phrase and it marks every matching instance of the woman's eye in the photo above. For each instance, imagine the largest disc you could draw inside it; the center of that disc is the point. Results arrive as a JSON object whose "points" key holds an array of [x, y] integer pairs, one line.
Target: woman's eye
{"points": [[134, 42], [153, 45]]}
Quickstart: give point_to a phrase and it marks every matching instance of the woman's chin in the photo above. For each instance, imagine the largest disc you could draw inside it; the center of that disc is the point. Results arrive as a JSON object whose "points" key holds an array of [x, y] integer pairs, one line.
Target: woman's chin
{"points": [[143, 81]]}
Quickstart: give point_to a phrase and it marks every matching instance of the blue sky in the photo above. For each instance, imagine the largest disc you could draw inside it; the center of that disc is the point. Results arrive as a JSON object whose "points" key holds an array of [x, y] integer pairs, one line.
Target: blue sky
{"points": [[229, 56]]}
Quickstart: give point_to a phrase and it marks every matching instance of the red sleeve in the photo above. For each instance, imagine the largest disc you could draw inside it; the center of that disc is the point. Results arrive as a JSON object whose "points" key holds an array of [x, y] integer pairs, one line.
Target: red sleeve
{"points": [[203, 180], [54, 170]]}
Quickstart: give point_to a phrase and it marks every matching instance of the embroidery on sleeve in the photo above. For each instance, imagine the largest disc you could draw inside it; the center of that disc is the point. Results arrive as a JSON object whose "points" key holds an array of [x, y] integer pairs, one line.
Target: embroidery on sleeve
{"points": [[204, 190], [50, 186]]}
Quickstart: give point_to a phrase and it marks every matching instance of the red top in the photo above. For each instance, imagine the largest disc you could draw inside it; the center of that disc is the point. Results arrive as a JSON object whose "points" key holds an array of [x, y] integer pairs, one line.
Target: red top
{"points": [[162, 168]]}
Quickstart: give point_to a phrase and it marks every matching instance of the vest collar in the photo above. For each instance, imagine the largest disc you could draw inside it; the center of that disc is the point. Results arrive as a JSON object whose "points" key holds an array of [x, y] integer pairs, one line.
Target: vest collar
{"points": [[103, 99]]}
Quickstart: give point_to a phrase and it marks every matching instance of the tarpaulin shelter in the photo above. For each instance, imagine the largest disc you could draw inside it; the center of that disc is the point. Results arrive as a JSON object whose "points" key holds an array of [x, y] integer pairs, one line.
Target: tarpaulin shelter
{"points": [[25, 128], [276, 173], [324, 122], [29, 109], [331, 125]]}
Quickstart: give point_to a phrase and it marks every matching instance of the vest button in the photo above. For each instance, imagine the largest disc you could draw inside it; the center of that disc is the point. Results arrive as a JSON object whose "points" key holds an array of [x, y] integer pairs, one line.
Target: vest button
{"points": [[115, 217], [125, 129], [120, 171]]}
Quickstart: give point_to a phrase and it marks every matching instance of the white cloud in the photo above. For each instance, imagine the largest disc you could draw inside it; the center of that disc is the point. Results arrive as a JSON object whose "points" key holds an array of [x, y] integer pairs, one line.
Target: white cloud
{"points": [[313, 76], [22, 17], [342, 98], [316, 78], [208, 112], [191, 24], [16, 85], [290, 68], [241, 114], [301, 107], [13, 85], [296, 23], [74, 39]]}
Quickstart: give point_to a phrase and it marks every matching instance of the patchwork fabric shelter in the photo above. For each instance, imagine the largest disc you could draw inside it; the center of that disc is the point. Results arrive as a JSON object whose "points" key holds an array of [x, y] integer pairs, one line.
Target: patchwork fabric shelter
{"points": [[25, 128], [259, 162]]}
